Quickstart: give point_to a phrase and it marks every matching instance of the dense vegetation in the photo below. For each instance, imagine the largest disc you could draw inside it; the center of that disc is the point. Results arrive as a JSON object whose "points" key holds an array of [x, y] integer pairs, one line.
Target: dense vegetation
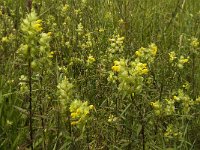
{"points": [[99, 74]]}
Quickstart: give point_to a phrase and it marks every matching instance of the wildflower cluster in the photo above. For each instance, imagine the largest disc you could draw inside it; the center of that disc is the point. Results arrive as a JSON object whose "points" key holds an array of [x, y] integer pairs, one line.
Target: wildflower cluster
{"points": [[116, 44], [90, 60], [194, 44], [147, 54], [8, 39], [32, 25], [178, 107], [172, 132], [64, 9], [157, 106], [80, 28], [112, 118], [23, 83], [177, 62], [180, 103], [85, 42], [166, 107], [184, 101], [131, 74], [79, 112]]}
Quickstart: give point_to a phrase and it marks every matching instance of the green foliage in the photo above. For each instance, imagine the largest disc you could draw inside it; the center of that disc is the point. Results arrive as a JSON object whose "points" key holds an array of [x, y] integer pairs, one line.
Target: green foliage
{"points": [[99, 74]]}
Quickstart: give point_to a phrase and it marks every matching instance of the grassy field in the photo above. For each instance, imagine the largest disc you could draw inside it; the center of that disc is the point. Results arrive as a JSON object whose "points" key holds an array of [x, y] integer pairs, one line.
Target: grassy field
{"points": [[99, 74]]}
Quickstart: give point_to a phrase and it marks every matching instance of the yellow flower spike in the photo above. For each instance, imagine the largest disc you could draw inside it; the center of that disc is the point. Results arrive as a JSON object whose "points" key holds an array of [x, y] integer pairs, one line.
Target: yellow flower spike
{"points": [[153, 48], [172, 56], [194, 43], [79, 111]]}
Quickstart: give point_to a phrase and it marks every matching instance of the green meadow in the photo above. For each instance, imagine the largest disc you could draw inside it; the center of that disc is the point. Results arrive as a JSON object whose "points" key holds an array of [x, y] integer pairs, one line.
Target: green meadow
{"points": [[99, 75]]}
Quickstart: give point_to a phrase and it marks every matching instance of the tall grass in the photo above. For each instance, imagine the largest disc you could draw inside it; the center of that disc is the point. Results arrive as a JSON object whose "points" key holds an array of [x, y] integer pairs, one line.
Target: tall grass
{"points": [[73, 94]]}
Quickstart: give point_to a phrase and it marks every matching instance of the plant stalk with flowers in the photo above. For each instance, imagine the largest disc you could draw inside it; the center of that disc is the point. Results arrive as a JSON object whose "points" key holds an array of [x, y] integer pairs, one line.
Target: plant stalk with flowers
{"points": [[35, 51]]}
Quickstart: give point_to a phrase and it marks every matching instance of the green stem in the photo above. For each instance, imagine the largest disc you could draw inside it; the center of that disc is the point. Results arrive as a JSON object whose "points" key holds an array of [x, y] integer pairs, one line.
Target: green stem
{"points": [[193, 76], [30, 98]]}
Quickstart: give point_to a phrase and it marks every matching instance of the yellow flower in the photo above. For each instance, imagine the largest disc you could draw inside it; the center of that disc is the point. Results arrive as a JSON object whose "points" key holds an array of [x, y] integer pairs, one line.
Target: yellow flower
{"points": [[90, 59], [37, 27], [74, 115], [183, 60], [79, 111], [142, 68], [156, 105], [112, 118], [116, 68], [4, 39], [138, 53], [65, 8], [172, 56], [50, 55], [39, 21], [49, 33], [74, 122], [91, 107], [144, 71]]}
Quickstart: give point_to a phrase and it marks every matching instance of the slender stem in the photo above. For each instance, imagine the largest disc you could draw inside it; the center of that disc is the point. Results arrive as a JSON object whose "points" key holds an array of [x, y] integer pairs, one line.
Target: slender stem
{"points": [[42, 112], [69, 123], [143, 130], [57, 112], [87, 137], [29, 5], [193, 76], [30, 99]]}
